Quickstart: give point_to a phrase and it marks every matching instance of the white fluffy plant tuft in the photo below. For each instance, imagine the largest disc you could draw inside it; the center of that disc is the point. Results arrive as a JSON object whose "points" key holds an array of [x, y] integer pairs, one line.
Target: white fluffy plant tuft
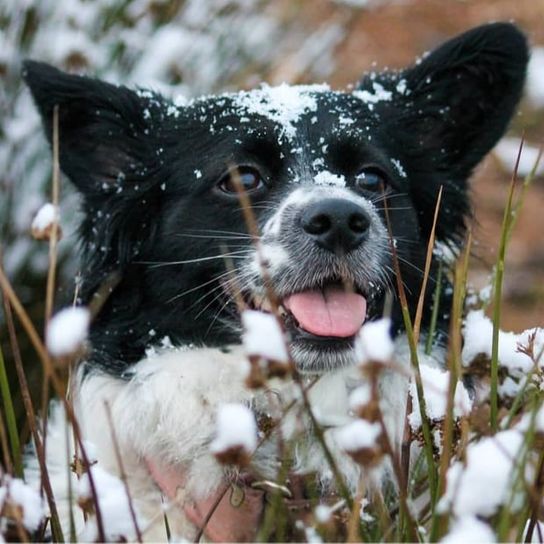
{"points": [[236, 434], [67, 331]]}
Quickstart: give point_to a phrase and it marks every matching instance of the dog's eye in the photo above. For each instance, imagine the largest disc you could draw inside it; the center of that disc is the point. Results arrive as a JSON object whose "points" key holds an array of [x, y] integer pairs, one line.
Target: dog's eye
{"points": [[370, 179], [248, 177]]}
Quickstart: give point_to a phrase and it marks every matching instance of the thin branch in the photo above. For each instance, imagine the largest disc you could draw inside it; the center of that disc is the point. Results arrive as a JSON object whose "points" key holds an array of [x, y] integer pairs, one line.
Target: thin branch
{"points": [[122, 472]]}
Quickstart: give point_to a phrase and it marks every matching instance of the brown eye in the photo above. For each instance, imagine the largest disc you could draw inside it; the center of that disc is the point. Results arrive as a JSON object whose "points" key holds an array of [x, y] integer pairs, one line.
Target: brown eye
{"points": [[247, 177], [370, 179]]}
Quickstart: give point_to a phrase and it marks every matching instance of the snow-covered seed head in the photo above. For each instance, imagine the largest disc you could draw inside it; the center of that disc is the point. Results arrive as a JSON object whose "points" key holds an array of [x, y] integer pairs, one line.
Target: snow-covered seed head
{"points": [[363, 402], [374, 343], [236, 435], [111, 498], [361, 440], [20, 503], [67, 332], [265, 346], [46, 218]]}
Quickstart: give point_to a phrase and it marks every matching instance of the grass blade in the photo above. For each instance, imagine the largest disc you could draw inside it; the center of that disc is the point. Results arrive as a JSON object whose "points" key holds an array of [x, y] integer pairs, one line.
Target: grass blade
{"points": [[497, 296], [11, 420], [425, 425]]}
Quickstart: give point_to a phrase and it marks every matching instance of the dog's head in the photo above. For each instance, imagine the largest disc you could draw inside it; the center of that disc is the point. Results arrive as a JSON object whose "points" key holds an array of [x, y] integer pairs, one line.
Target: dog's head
{"points": [[335, 180]]}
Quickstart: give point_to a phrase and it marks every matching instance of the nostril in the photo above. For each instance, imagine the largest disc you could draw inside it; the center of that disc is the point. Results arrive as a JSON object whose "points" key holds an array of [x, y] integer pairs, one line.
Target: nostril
{"points": [[336, 224], [317, 224], [358, 223]]}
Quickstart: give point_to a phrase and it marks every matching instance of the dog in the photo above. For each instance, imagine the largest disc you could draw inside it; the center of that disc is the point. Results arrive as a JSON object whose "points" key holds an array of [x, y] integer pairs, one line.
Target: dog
{"points": [[311, 204]]}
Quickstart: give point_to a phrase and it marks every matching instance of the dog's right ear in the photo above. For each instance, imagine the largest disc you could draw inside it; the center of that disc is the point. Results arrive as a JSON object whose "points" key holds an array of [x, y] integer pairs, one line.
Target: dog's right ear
{"points": [[103, 129]]}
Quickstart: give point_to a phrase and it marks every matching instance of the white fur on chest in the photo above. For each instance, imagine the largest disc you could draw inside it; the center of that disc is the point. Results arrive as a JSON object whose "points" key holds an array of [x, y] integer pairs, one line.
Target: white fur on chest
{"points": [[167, 410]]}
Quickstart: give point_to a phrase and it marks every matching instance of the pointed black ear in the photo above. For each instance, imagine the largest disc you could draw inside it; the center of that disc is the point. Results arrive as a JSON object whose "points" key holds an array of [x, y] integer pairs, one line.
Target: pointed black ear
{"points": [[466, 91], [101, 126], [446, 112]]}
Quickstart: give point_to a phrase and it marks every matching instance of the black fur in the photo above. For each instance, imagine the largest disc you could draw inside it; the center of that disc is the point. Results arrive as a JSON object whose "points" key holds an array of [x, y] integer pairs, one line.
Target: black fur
{"points": [[133, 156]]}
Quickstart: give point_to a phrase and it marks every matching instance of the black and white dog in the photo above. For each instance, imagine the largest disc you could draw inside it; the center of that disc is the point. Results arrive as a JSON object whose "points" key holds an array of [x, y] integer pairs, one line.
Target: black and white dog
{"points": [[335, 180]]}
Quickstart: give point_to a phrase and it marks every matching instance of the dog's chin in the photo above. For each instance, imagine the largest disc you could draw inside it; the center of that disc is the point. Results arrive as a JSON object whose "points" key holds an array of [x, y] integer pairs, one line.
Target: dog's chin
{"points": [[318, 355]]}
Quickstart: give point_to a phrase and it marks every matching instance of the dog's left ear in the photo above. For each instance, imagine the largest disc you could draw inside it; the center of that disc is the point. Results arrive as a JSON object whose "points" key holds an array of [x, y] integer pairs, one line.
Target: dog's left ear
{"points": [[103, 131], [449, 110]]}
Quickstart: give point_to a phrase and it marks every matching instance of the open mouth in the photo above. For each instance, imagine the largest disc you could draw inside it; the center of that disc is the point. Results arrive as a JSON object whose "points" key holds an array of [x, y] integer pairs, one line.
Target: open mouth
{"points": [[321, 321], [330, 314]]}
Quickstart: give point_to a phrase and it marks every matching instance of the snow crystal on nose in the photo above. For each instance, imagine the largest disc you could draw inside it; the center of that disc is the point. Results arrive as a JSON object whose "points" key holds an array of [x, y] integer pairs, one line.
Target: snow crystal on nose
{"points": [[284, 104]]}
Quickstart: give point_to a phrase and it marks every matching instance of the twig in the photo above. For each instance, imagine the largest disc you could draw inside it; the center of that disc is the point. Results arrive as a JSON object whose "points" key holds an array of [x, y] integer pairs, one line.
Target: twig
{"points": [[210, 513], [454, 366], [8, 465], [54, 235], [535, 507], [56, 529], [436, 307], [122, 471], [428, 261], [397, 468], [52, 269], [425, 426]]}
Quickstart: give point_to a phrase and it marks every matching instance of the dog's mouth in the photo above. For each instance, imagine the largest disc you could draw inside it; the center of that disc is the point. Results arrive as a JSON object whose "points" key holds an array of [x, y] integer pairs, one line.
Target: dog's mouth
{"points": [[321, 322], [329, 312]]}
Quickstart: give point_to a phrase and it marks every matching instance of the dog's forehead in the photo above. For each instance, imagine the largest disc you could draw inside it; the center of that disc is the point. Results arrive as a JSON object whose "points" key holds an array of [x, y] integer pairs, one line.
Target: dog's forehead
{"points": [[290, 110]]}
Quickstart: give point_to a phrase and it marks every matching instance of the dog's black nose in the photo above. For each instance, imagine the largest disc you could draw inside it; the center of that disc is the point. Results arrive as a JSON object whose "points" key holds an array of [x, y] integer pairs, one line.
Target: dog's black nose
{"points": [[336, 224]]}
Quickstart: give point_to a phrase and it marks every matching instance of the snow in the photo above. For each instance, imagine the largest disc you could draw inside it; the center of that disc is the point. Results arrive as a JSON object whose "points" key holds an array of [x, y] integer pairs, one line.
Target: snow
{"points": [[263, 336], [90, 451], [435, 389], [486, 293], [508, 388], [360, 397], [480, 488], [379, 94], [402, 87], [374, 342], [322, 513], [534, 86], [397, 164], [358, 435], [44, 220], [114, 507], [507, 151], [67, 331], [284, 104], [478, 334], [27, 499], [329, 179], [530, 419], [345, 121], [236, 428], [469, 529]]}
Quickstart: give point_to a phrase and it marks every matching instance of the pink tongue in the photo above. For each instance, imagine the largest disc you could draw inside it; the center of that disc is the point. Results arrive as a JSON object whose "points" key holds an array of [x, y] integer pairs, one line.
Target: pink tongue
{"points": [[331, 312]]}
